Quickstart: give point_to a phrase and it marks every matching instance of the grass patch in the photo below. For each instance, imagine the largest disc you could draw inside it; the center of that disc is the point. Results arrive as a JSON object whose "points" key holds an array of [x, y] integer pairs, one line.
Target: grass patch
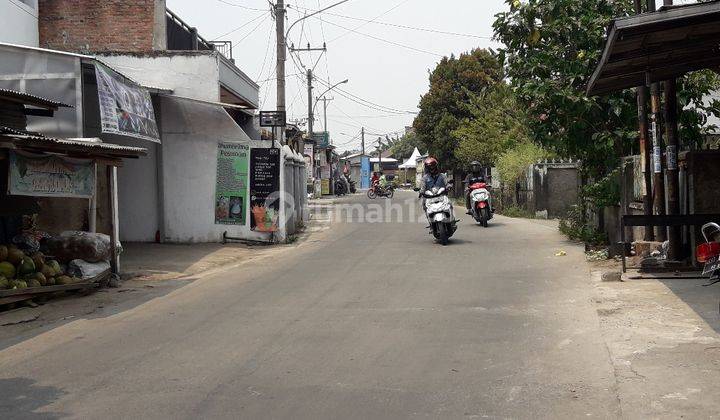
{"points": [[516, 212]]}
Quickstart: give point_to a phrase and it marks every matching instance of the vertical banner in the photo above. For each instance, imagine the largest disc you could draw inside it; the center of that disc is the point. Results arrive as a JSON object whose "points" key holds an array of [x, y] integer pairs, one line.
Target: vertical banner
{"points": [[672, 157], [51, 176], [231, 184], [265, 189], [125, 108], [309, 155]]}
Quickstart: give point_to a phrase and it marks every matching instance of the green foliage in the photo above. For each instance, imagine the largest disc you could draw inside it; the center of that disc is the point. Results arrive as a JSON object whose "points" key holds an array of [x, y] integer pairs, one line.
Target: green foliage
{"points": [[496, 124], [404, 147], [574, 227], [551, 50], [514, 162], [445, 106], [517, 212], [605, 192]]}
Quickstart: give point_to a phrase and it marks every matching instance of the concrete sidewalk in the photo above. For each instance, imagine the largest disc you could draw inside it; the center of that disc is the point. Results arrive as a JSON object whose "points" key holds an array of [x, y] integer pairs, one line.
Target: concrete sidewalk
{"points": [[171, 261]]}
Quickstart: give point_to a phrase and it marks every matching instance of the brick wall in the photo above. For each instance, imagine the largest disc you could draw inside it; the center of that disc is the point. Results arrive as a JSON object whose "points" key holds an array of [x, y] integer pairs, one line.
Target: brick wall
{"points": [[99, 25]]}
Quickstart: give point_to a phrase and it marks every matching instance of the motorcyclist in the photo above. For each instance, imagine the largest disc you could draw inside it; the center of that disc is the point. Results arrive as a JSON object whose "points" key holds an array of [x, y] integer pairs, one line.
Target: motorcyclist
{"points": [[476, 175], [432, 178]]}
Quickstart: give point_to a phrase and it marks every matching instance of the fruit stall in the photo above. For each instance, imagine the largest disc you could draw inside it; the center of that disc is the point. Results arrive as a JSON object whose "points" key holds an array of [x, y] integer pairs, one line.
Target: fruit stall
{"points": [[47, 248]]}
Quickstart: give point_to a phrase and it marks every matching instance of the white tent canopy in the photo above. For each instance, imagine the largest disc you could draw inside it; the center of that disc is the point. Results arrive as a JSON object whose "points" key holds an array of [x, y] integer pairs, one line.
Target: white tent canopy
{"points": [[412, 160]]}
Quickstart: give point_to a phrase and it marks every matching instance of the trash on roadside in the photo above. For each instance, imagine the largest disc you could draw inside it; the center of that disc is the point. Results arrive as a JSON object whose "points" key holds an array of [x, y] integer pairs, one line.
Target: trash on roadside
{"points": [[560, 254]]}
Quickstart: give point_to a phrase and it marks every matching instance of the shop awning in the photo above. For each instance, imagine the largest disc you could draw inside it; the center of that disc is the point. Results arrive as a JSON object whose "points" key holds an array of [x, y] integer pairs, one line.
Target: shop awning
{"points": [[30, 100], [86, 147], [657, 46]]}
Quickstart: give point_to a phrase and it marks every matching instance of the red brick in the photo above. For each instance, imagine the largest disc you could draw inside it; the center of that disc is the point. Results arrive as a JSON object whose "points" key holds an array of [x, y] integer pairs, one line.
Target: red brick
{"points": [[97, 25]]}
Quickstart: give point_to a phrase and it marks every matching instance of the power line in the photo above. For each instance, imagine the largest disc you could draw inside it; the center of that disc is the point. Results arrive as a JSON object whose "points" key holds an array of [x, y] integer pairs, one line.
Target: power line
{"points": [[387, 41], [240, 5], [367, 103], [376, 17], [252, 31], [267, 50], [239, 27], [413, 28]]}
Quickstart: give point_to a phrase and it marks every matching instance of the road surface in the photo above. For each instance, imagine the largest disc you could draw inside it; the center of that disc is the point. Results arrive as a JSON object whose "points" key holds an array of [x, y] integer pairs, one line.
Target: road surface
{"points": [[367, 319]]}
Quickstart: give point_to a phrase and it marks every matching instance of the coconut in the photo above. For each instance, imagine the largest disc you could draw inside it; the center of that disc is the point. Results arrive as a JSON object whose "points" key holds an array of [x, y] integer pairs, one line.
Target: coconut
{"points": [[15, 256], [7, 270], [39, 259], [40, 277]]}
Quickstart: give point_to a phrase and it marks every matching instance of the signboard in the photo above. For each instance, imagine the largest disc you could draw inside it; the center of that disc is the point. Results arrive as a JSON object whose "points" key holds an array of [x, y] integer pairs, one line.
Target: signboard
{"points": [[272, 118], [325, 186], [672, 157], [321, 140], [309, 154], [231, 184], [265, 189], [325, 172], [125, 108], [51, 176]]}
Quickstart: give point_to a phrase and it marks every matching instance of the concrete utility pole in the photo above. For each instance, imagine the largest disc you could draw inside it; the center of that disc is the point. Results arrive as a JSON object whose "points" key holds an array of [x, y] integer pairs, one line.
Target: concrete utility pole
{"points": [[362, 137], [645, 148], [311, 117], [673, 175], [280, 65], [325, 101], [658, 179]]}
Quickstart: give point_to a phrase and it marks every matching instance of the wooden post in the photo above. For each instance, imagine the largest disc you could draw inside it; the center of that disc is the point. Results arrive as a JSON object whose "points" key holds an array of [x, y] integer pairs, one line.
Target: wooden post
{"points": [[114, 225]]}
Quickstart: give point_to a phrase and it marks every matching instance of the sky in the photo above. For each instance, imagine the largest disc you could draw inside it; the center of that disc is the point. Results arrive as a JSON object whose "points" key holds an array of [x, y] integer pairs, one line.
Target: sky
{"points": [[386, 65]]}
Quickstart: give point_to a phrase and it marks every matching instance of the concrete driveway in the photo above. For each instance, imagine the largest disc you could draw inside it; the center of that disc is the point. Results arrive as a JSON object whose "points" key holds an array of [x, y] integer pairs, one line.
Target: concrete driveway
{"points": [[368, 319]]}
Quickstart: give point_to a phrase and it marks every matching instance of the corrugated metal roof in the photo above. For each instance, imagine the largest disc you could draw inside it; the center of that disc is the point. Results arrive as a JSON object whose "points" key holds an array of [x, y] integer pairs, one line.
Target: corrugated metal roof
{"points": [[33, 100], [91, 145]]}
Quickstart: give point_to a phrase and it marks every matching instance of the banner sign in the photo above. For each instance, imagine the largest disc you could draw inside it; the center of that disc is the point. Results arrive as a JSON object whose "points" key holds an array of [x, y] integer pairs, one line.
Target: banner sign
{"points": [[309, 154], [51, 176], [265, 189], [231, 184], [125, 108], [321, 140]]}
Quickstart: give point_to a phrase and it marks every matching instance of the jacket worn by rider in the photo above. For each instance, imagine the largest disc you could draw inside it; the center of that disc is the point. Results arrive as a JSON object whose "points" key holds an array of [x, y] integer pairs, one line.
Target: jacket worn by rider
{"points": [[430, 181]]}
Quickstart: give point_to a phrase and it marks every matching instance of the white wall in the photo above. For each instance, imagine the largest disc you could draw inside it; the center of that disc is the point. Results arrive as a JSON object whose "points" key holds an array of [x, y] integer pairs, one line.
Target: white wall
{"points": [[192, 75], [191, 132], [19, 22]]}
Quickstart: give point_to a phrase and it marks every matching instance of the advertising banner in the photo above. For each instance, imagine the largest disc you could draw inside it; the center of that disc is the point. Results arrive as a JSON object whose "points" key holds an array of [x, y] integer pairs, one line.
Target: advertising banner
{"points": [[125, 108], [232, 184], [309, 154], [51, 176], [265, 189]]}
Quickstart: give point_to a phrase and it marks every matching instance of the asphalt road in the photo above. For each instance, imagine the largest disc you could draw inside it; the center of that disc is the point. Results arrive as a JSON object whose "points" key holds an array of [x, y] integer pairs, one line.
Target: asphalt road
{"points": [[367, 319]]}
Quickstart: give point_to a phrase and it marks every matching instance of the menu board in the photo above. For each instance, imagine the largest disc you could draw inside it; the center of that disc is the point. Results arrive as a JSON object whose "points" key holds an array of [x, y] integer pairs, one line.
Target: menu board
{"points": [[265, 189], [231, 184]]}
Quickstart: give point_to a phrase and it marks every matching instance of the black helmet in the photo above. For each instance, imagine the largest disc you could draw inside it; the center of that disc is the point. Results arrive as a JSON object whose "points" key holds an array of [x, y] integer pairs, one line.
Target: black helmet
{"points": [[475, 167]]}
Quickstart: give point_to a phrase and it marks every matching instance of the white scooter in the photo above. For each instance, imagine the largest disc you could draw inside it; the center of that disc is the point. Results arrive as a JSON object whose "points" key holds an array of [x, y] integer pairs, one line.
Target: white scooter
{"points": [[440, 213]]}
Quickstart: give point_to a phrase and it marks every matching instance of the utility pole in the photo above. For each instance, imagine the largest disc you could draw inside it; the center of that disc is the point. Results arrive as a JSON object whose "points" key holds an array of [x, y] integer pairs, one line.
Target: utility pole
{"points": [[658, 179], [325, 101], [362, 137], [645, 148], [671, 151], [380, 154], [280, 64], [311, 117]]}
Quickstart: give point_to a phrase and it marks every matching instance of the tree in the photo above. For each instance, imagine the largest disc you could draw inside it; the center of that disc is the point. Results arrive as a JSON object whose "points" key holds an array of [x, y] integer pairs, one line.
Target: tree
{"points": [[452, 84], [404, 147], [551, 49], [496, 124], [512, 163]]}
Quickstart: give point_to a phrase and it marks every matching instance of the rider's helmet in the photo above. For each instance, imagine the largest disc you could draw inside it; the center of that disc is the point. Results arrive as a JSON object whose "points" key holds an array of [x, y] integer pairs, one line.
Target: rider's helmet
{"points": [[431, 165], [475, 167]]}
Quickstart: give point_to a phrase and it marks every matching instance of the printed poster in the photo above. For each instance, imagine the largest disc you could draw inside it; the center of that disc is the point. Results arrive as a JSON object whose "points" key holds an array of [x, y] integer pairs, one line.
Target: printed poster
{"points": [[50, 176], [265, 189], [125, 108], [232, 184]]}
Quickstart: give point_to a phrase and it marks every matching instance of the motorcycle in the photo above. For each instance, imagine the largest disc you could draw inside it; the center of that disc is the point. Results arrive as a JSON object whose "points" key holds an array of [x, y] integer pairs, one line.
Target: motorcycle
{"points": [[340, 187], [440, 213], [480, 203], [708, 253], [378, 191]]}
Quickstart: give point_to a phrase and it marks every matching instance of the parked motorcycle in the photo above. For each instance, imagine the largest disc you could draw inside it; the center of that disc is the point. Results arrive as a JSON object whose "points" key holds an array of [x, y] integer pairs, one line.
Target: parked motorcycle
{"points": [[440, 213], [480, 203], [382, 192], [708, 253]]}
